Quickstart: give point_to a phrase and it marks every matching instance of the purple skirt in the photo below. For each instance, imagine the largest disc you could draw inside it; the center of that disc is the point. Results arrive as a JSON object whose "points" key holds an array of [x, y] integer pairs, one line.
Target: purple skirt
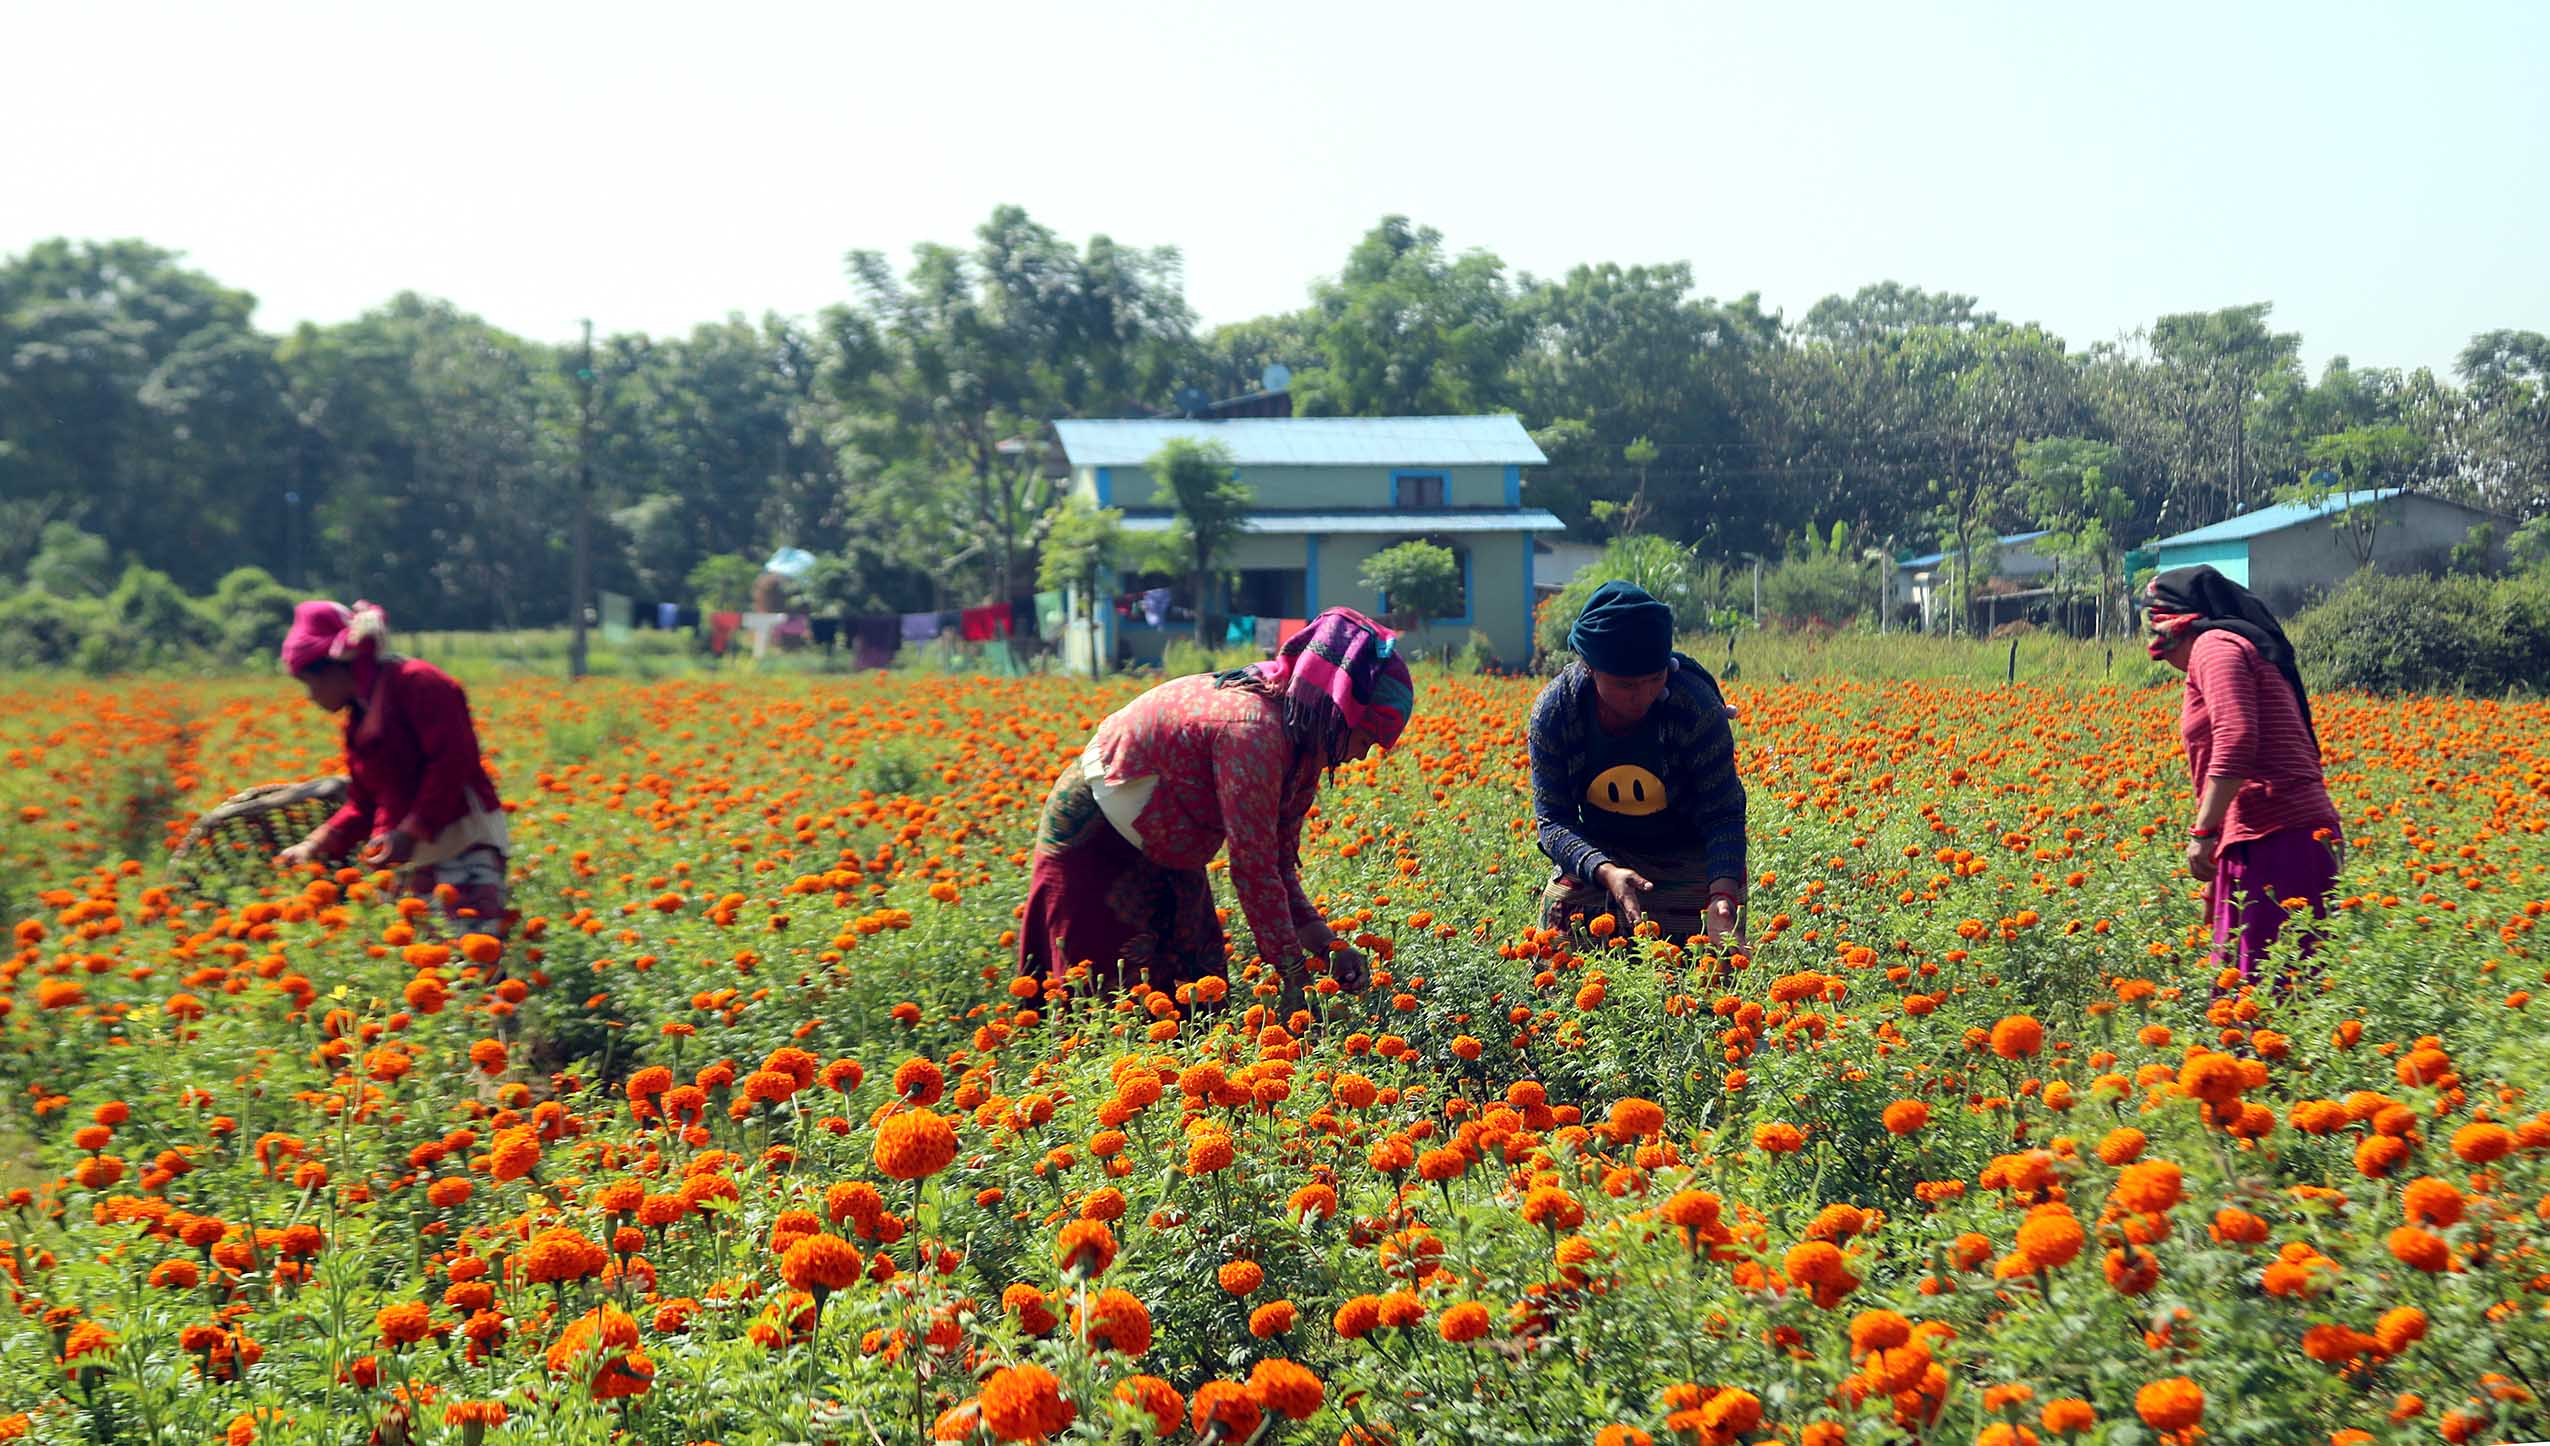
{"points": [[2251, 882]]}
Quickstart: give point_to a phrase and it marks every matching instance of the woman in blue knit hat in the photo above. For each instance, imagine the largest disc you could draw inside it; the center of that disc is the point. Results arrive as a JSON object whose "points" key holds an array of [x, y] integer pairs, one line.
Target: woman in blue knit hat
{"points": [[1633, 778]]}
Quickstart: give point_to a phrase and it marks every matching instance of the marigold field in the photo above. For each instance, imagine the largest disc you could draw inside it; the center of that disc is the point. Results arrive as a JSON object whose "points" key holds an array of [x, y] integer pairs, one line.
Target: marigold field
{"points": [[758, 1141]]}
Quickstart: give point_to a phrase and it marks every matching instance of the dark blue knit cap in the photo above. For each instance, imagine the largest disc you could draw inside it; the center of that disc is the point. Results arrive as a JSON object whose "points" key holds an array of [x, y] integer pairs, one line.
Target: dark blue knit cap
{"points": [[1623, 631]]}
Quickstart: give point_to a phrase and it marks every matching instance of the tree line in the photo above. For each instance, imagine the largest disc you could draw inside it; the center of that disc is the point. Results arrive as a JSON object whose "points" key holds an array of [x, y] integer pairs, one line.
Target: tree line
{"points": [[420, 455]]}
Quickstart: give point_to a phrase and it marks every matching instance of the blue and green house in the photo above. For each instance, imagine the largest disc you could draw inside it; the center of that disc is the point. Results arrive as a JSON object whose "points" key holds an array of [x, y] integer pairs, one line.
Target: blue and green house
{"points": [[1330, 492]]}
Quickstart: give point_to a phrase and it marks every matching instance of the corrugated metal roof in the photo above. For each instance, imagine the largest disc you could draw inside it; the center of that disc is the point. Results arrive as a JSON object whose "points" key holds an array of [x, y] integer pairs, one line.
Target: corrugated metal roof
{"points": [[2272, 519], [1449, 519], [1933, 559], [1312, 441]]}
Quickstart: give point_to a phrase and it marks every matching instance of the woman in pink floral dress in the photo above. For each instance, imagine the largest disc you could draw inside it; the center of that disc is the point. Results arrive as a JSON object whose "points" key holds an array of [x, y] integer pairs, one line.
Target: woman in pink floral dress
{"points": [[1118, 883]]}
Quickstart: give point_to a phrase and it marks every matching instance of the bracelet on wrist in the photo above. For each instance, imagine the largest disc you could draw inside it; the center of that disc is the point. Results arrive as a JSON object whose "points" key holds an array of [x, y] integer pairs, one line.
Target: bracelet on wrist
{"points": [[2215, 832]]}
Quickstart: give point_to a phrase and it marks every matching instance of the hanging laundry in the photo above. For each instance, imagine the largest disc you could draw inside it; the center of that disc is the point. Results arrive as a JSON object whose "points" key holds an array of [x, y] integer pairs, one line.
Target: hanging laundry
{"points": [[616, 612], [874, 641], [985, 624], [1155, 606], [1240, 631], [668, 616], [1285, 628], [918, 627], [796, 628], [1049, 616], [762, 626], [827, 632], [721, 630], [1266, 632]]}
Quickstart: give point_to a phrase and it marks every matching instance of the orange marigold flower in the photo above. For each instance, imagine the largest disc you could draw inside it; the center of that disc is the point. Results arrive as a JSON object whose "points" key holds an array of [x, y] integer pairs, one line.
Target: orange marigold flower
{"points": [[2121, 1146], [2067, 1415], [1906, 1117], [2419, 1249], [1464, 1322], [1272, 1319], [1552, 1209], [2173, 1404], [1119, 1321], [1878, 1330], [1286, 1388], [403, 1324], [1025, 1403], [2050, 1240], [914, 1144], [1155, 1398], [821, 1263], [2482, 1142], [1241, 1277], [1225, 1411], [1085, 1247], [1778, 1138], [2153, 1187], [2018, 1036], [2430, 1201]]}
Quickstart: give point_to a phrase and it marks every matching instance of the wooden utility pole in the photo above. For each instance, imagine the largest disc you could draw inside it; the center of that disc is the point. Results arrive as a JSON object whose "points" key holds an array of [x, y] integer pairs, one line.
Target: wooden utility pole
{"points": [[581, 576]]}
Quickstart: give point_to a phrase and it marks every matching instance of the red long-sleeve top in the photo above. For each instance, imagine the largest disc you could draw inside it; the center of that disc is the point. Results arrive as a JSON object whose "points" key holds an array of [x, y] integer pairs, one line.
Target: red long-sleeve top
{"points": [[2240, 719], [1227, 772], [411, 753]]}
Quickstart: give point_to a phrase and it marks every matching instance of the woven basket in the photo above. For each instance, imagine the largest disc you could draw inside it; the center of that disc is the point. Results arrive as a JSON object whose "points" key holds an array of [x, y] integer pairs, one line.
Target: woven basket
{"points": [[238, 839]]}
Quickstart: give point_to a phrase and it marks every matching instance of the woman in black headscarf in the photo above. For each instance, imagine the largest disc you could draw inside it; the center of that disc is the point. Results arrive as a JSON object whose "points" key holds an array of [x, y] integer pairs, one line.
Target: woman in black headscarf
{"points": [[2265, 828]]}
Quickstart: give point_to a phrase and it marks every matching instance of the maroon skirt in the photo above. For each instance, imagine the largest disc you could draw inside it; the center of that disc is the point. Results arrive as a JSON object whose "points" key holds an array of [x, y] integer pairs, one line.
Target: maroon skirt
{"points": [[1094, 899]]}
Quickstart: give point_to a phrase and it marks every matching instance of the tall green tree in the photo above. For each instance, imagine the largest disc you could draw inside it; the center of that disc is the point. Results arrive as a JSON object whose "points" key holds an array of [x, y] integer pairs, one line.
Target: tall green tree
{"points": [[1407, 330], [1890, 308], [949, 373], [1209, 509], [2065, 486], [441, 464], [138, 403]]}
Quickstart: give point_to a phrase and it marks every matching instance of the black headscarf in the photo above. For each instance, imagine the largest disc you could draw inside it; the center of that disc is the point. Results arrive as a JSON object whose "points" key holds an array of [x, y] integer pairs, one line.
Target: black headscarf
{"points": [[2221, 605]]}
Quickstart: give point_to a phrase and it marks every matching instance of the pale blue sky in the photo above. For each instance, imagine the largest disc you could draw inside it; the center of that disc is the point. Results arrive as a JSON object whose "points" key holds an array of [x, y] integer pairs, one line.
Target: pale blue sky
{"points": [[2380, 172]]}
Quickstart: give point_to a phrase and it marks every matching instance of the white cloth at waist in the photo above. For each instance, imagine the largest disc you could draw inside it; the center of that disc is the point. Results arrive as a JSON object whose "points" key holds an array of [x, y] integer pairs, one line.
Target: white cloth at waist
{"points": [[1123, 802]]}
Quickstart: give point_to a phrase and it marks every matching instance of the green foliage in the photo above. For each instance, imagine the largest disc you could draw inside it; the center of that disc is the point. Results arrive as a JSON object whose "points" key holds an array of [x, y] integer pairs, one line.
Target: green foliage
{"points": [[41, 630], [1408, 331], [892, 770], [152, 622], [71, 563], [1666, 570], [250, 613], [723, 583], [2529, 546], [1420, 581], [1209, 504], [1819, 587], [2381, 634], [1080, 542], [1180, 657]]}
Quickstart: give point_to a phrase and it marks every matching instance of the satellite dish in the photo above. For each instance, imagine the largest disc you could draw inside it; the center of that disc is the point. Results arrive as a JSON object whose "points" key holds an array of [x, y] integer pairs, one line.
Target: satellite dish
{"points": [[1276, 377], [1192, 400]]}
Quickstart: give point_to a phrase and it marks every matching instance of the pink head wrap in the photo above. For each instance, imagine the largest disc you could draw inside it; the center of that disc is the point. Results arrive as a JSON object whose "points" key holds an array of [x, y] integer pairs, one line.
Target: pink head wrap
{"points": [[324, 631], [1350, 663]]}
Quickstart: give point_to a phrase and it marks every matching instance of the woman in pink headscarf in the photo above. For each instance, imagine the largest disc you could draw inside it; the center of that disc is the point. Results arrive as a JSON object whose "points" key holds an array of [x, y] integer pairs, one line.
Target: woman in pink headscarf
{"points": [[421, 801], [1118, 888]]}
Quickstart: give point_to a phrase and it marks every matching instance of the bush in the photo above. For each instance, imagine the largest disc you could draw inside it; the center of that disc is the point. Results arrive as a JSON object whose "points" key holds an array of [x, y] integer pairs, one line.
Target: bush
{"points": [[250, 612], [1181, 656], [40, 629], [1664, 569], [151, 622], [1820, 588], [2430, 635]]}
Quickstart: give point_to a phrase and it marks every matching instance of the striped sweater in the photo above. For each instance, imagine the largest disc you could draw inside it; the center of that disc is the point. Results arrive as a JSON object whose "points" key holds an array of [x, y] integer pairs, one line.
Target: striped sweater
{"points": [[2241, 720]]}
